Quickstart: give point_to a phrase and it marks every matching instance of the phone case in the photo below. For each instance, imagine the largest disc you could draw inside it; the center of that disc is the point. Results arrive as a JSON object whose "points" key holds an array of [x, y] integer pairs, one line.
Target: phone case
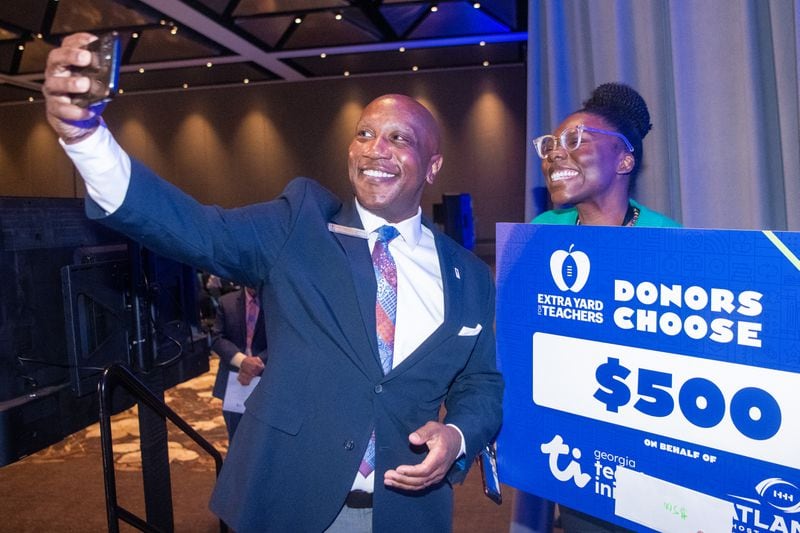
{"points": [[491, 483], [103, 71]]}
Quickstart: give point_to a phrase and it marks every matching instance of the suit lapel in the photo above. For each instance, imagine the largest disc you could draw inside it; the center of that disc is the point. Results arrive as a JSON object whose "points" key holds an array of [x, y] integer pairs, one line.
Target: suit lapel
{"points": [[361, 270], [453, 288], [241, 305]]}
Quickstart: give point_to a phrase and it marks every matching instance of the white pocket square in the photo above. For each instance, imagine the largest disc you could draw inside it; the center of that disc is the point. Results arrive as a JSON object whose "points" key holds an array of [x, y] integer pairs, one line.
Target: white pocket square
{"points": [[470, 332]]}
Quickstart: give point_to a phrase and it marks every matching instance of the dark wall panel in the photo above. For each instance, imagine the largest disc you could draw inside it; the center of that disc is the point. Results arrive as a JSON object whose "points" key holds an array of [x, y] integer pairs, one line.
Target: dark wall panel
{"points": [[242, 144]]}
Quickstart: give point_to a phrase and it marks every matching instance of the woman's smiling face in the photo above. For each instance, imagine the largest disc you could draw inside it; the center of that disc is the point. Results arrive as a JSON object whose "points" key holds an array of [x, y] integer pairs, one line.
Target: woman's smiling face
{"points": [[589, 172]]}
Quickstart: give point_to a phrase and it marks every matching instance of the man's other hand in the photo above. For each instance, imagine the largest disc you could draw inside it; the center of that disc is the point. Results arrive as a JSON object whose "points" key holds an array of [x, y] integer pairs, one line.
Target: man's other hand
{"points": [[444, 444]]}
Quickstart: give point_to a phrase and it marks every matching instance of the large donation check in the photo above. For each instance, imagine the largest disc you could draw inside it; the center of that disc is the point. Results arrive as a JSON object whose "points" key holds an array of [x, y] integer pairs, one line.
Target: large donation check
{"points": [[653, 374]]}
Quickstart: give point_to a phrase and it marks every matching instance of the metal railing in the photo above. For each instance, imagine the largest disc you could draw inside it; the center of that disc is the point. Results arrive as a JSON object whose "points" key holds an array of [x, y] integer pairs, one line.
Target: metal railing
{"points": [[118, 375]]}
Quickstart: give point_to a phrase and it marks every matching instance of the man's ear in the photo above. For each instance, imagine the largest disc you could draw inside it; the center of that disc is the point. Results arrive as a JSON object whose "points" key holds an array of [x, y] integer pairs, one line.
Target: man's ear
{"points": [[433, 168], [626, 164]]}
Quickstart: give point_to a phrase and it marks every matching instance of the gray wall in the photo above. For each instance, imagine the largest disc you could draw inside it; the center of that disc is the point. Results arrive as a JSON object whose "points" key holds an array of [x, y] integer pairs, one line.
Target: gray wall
{"points": [[237, 145]]}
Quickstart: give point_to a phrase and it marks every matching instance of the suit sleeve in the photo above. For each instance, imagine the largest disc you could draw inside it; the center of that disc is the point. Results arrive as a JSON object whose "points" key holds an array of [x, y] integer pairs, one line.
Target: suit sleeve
{"points": [[240, 244]]}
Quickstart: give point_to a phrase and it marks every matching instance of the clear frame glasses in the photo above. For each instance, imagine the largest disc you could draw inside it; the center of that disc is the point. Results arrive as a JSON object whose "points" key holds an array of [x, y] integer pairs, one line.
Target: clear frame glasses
{"points": [[570, 139]]}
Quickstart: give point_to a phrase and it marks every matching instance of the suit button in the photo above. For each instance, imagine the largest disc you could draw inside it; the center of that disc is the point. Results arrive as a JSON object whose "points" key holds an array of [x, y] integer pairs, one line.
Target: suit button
{"points": [[378, 389], [349, 445]]}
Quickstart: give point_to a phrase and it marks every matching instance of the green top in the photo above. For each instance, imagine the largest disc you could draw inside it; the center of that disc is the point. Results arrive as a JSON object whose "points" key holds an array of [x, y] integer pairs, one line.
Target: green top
{"points": [[566, 217]]}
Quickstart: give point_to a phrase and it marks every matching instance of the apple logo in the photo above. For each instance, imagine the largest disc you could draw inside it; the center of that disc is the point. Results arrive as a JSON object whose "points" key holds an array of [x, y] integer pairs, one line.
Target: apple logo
{"points": [[570, 270]]}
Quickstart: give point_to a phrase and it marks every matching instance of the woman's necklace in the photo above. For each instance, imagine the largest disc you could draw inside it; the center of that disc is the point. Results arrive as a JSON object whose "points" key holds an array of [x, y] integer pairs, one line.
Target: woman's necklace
{"points": [[631, 216]]}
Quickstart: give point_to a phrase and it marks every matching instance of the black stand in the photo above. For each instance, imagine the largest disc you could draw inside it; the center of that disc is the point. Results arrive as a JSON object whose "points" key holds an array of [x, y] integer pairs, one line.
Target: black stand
{"points": [[155, 460]]}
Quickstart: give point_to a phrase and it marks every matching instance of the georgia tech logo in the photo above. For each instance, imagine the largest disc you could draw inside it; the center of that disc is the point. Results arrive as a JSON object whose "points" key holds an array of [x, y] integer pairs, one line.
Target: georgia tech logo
{"points": [[555, 449], [570, 269]]}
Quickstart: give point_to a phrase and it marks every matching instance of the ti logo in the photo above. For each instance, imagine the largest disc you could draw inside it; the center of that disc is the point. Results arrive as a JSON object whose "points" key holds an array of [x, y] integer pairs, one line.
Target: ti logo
{"points": [[570, 269], [556, 448]]}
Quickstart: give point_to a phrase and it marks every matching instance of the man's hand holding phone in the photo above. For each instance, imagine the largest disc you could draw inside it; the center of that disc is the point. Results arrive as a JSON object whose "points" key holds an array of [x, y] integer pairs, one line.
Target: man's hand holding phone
{"points": [[78, 82], [103, 71]]}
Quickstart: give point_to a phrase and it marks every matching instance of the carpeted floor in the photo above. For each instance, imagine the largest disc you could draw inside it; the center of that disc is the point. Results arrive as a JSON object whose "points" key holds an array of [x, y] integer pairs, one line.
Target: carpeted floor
{"points": [[60, 489]]}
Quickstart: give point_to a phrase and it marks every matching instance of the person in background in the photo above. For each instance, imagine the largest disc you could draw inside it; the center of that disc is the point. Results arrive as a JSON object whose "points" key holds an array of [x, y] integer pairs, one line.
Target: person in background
{"points": [[591, 161], [239, 339], [590, 164], [376, 321]]}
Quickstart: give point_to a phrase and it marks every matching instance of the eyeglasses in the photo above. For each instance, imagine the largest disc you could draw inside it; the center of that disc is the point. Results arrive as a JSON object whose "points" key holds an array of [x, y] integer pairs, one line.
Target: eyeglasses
{"points": [[570, 139]]}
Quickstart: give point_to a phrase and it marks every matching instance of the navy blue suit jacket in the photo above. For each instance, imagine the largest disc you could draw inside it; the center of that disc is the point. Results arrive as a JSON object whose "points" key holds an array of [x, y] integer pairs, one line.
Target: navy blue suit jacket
{"points": [[308, 421], [230, 336]]}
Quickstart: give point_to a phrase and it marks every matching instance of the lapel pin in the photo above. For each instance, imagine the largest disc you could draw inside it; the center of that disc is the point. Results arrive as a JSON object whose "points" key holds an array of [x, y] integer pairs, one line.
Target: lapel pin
{"points": [[457, 272]]}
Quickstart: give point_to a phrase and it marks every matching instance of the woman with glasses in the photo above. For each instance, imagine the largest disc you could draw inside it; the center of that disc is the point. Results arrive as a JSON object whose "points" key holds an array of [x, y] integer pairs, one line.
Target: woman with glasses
{"points": [[590, 165], [591, 162]]}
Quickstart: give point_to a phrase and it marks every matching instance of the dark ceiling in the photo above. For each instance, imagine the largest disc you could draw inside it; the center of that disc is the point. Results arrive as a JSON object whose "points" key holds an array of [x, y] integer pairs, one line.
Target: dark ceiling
{"points": [[174, 44]]}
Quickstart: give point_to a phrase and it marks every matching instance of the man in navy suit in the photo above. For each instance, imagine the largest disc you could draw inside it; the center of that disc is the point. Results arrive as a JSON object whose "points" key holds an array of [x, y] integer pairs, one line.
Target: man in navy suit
{"points": [[295, 462], [241, 345]]}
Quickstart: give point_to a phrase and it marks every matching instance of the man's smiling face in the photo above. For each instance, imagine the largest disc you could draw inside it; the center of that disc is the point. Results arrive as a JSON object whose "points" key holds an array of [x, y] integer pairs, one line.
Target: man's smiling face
{"points": [[393, 155]]}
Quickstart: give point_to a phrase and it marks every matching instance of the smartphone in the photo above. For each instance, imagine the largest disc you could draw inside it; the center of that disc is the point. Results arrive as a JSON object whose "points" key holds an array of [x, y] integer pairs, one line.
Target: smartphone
{"points": [[491, 482], [103, 71]]}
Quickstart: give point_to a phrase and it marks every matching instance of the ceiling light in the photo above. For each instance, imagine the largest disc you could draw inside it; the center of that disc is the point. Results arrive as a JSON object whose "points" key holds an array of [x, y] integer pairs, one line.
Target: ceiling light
{"points": [[415, 68], [402, 49], [346, 73], [482, 43], [338, 16], [323, 55], [141, 70], [21, 47], [173, 30], [476, 5], [209, 64], [298, 20], [135, 35], [30, 98], [120, 91], [434, 8], [185, 85], [38, 35], [485, 63], [246, 81], [162, 22]]}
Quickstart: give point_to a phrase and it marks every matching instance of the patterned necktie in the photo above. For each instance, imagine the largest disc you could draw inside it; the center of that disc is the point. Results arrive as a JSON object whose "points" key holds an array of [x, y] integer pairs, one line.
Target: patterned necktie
{"points": [[251, 318], [385, 315]]}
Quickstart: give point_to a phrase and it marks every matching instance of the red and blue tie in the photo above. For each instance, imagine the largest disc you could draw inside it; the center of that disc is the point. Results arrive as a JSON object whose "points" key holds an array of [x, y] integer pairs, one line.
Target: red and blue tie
{"points": [[251, 317], [385, 316]]}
